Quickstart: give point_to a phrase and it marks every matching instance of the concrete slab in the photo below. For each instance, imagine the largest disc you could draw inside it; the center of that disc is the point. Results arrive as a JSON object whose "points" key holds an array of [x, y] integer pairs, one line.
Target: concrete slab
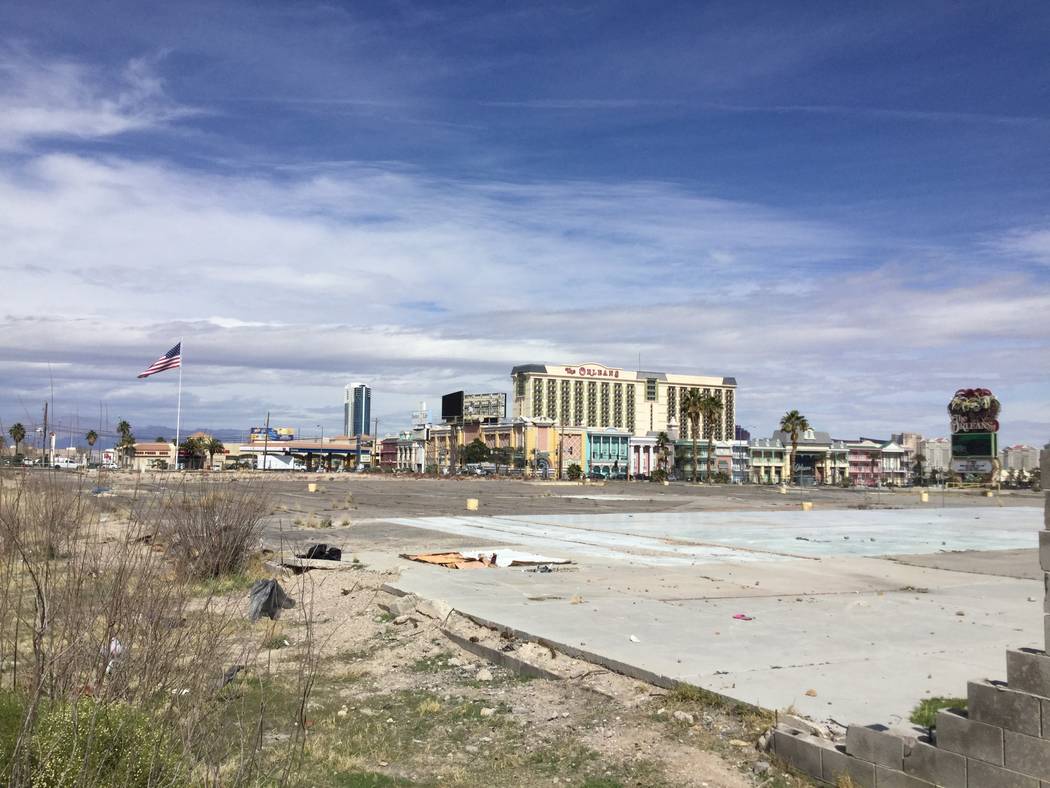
{"points": [[669, 538], [1006, 563], [870, 637]]}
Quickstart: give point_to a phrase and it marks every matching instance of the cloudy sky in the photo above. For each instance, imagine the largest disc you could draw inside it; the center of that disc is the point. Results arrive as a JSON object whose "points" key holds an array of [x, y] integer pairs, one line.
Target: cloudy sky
{"points": [[843, 205]]}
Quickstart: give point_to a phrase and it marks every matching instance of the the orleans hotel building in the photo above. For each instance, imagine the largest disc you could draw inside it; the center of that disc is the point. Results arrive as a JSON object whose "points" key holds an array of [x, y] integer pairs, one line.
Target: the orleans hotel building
{"points": [[595, 396]]}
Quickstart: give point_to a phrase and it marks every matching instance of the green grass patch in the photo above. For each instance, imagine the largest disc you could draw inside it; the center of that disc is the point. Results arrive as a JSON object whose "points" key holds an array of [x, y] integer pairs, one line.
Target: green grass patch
{"points": [[276, 642], [925, 713], [227, 584]]}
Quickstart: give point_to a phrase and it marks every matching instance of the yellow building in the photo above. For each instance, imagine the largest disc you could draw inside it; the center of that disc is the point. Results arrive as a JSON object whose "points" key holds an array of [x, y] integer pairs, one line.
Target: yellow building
{"points": [[593, 396]]}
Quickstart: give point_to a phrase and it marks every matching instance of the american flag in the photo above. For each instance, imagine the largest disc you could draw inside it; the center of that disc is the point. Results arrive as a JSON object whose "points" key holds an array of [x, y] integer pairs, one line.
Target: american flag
{"points": [[170, 360]]}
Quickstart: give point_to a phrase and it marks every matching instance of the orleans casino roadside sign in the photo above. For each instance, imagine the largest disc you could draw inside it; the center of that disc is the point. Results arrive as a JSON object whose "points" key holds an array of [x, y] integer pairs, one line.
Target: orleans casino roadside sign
{"points": [[974, 415]]}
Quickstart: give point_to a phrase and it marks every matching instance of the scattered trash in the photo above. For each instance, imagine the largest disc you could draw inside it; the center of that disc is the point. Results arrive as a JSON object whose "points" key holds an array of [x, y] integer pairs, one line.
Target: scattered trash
{"points": [[484, 675], [634, 639], [230, 674], [267, 598], [113, 655], [683, 716], [743, 617], [505, 558], [322, 552], [812, 693]]}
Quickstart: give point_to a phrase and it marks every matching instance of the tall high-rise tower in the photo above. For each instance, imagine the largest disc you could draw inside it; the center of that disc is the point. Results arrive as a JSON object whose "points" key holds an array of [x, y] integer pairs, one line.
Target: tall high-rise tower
{"points": [[357, 409]]}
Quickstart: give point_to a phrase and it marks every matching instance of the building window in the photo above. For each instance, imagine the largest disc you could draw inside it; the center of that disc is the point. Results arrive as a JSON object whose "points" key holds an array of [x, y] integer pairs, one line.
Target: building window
{"points": [[577, 413], [630, 406], [617, 404], [592, 403], [519, 390], [552, 398], [672, 401], [537, 398], [605, 405], [650, 389], [564, 416]]}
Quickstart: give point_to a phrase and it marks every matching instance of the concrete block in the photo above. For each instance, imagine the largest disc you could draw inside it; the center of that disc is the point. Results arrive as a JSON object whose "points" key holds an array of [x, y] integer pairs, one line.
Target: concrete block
{"points": [[957, 733], [874, 744], [807, 506], [800, 751], [1027, 755], [996, 704], [1046, 593], [891, 778], [1028, 670], [984, 775], [1044, 550], [835, 763], [1046, 718], [935, 765], [472, 504]]}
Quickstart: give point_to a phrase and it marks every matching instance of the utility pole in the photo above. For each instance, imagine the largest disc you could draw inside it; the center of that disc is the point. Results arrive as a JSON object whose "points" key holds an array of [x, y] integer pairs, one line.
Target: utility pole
{"points": [[266, 440], [375, 444], [44, 455]]}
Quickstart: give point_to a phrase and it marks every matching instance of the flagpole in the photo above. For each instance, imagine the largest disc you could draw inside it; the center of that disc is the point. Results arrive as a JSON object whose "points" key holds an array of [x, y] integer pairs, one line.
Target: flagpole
{"points": [[178, 411]]}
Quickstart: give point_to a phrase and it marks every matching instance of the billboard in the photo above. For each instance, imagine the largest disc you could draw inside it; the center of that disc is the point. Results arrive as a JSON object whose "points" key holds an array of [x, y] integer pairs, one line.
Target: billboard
{"points": [[485, 407], [452, 406], [974, 417], [260, 435], [974, 444]]}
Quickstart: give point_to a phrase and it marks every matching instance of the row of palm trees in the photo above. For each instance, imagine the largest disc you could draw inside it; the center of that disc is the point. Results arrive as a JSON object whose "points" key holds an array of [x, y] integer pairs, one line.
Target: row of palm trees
{"points": [[195, 446], [698, 406]]}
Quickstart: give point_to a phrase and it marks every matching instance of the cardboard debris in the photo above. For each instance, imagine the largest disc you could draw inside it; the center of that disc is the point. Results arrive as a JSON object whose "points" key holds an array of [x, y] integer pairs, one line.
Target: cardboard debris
{"points": [[450, 560], [474, 559]]}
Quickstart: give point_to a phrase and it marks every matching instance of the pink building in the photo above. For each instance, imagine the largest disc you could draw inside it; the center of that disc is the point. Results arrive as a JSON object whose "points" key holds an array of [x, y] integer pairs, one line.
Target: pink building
{"points": [[865, 462]]}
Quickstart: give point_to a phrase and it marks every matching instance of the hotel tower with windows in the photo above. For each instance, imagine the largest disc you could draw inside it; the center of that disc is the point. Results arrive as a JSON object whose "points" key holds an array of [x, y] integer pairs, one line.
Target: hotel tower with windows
{"points": [[641, 403]]}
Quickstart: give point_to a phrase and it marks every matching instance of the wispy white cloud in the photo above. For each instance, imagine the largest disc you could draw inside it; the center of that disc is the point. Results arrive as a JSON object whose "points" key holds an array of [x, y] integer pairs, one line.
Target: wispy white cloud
{"points": [[47, 98], [286, 286], [1030, 243]]}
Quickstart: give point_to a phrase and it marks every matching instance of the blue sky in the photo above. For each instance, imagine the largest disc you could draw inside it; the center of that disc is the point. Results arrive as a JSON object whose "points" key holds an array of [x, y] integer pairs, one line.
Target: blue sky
{"points": [[843, 205]]}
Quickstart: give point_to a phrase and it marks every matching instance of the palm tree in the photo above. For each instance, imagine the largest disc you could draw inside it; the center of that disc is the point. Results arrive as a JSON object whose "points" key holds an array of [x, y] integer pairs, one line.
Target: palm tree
{"points": [[91, 437], [693, 411], [18, 434], [126, 444], [213, 447], [920, 476], [793, 423], [663, 441], [711, 410]]}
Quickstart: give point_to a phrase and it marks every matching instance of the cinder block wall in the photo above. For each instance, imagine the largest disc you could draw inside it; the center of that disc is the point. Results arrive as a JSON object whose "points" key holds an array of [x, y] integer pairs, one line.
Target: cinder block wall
{"points": [[1001, 740]]}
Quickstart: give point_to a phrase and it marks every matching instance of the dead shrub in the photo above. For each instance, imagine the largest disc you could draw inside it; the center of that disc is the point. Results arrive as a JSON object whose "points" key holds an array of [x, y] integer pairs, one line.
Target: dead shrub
{"points": [[211, 530], [104, 639]]}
